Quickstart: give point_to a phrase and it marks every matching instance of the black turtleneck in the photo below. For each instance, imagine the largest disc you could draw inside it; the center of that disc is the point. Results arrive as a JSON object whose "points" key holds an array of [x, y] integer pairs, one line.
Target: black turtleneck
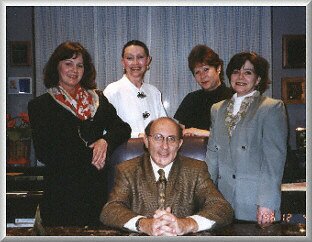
{"points": [[194, 110]]}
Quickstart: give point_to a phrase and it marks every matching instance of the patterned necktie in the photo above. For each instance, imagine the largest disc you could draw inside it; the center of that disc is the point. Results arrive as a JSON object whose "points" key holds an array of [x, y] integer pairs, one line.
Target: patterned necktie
{"points": [[161, 189]]}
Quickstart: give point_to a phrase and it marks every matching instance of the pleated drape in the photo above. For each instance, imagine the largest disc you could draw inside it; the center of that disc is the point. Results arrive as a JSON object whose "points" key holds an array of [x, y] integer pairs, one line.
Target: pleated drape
{"points": [[169, 32]]}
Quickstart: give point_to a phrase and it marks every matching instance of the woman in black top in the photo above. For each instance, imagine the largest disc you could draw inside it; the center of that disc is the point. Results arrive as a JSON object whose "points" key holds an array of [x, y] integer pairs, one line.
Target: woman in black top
{"points": [[194, 111], [74, 130]]}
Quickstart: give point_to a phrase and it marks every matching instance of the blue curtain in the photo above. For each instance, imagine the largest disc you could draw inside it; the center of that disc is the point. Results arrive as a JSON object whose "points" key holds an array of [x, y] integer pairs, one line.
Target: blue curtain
{"points": [[169, 32]]}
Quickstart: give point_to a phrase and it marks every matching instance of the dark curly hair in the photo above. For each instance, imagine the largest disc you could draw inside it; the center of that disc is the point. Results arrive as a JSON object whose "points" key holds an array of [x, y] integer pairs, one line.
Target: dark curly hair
{"points": [[260, 64], [202, 54], [64, 51]]}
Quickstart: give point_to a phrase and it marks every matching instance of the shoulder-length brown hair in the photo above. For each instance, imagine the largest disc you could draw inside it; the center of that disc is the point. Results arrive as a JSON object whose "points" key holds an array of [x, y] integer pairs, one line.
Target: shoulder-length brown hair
{"points": [[68, 50], [260, 64], [202, 54]]}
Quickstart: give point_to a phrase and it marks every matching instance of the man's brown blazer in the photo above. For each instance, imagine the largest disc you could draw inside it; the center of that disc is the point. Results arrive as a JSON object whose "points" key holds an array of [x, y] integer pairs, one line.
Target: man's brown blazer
{"points": [[189, 191]]}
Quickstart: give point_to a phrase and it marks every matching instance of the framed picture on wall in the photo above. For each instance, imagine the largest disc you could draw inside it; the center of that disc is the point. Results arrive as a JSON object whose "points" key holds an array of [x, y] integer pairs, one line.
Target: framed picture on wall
{"points": [[294, 51], [19, 85], [20, 53], [293, 90]]}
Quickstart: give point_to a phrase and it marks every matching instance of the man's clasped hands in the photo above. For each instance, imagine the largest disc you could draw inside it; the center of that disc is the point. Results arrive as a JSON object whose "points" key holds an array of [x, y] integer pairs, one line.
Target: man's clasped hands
{"points": [[164, 222]]}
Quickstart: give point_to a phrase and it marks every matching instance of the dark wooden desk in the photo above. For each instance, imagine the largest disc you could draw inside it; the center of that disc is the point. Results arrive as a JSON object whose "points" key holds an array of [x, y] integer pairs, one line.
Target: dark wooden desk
{"points": [[24, 192], [279, 229]]}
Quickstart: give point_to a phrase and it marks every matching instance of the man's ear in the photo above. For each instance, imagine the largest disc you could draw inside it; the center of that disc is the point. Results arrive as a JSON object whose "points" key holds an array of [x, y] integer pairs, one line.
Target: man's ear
{"points": [[181, 142], [145, 140]]}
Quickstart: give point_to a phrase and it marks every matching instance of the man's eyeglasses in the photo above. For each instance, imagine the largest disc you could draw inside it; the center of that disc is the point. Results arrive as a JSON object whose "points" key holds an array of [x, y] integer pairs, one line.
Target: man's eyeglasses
{"points": [[159, 138]]}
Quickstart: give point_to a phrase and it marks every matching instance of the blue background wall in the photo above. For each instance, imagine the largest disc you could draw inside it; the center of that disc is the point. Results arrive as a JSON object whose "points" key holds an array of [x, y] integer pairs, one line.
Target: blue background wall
{"points": [[287, 20]]}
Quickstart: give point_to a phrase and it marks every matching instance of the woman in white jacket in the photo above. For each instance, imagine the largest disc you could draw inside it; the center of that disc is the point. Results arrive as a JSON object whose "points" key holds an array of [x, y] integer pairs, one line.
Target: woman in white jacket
{"points": [[136, 102]]}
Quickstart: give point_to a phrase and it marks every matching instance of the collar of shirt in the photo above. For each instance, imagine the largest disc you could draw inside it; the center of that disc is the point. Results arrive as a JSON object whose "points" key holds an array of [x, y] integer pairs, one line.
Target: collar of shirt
{"points": [[156, 168], [238, 101], [131, 85]]}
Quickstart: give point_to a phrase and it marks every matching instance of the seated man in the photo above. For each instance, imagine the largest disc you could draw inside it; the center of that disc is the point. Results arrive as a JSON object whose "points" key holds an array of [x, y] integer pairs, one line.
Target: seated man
{"points": [[183, 201]]}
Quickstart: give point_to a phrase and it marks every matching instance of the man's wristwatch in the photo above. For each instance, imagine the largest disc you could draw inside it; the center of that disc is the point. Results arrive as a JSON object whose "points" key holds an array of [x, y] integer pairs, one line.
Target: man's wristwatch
{"points": [[137, 224]]}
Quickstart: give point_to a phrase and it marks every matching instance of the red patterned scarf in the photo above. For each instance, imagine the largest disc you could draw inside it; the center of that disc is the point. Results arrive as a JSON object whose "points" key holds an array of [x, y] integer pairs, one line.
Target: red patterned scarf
{"points": [[82, 104]]}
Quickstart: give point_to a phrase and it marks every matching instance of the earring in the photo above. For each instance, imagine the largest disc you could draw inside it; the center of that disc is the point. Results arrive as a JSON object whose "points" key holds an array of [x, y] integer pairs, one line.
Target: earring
{"points": [[148, 67]]}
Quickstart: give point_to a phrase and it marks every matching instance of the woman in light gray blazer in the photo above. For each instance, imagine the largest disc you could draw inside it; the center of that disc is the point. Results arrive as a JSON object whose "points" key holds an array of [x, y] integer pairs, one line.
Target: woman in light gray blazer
{"points": [[248, 142]]}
